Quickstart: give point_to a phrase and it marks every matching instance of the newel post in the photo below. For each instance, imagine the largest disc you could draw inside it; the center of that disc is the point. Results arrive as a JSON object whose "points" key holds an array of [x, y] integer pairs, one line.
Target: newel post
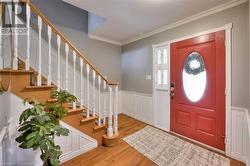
{"points": [[112, 137], [110, 127]]}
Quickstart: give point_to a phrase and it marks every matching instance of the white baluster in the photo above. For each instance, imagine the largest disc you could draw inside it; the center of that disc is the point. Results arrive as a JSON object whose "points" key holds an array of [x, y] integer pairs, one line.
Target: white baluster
{"points": [[15, 59], [99, 101], [49, 67], [110, 127], [94, 76], [81, 82], [104, 101], [74, 77], [27, 62], [39, 77], [58, 62], [87, 83], [67, 66], [116, 110]]}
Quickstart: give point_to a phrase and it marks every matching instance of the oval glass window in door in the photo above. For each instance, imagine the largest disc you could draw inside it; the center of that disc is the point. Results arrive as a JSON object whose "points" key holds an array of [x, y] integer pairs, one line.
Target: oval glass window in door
{"points": [[194, 77]]}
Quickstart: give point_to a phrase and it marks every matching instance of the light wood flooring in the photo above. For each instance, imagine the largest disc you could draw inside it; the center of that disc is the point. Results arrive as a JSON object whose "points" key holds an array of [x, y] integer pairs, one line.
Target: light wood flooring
{"points": [[122, 154]]}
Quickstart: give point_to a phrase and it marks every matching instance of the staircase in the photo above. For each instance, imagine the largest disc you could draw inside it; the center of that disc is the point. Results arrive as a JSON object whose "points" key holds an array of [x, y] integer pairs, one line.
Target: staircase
{"points": [[95, 112]]}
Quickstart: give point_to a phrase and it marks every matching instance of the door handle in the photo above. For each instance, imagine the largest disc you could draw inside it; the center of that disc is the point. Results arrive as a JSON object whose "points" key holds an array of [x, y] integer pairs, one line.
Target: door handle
{"points": [[172, 89]]}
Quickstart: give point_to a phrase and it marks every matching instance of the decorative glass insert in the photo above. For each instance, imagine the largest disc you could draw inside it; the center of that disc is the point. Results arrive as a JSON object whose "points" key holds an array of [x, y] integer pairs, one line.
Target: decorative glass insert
{"points": [[194, 77], [159, 57], [159, 77], [161, 68], [165, 77], [165, 56]]}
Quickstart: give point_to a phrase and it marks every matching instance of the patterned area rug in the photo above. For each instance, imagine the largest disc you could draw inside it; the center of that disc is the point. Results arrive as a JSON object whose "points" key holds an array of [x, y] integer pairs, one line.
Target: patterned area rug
{"points": [[167, 150]]}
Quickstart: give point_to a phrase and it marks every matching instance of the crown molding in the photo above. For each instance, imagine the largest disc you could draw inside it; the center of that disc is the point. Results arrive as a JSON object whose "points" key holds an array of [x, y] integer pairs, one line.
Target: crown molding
{"points": [[211, 11], [95, 37]]}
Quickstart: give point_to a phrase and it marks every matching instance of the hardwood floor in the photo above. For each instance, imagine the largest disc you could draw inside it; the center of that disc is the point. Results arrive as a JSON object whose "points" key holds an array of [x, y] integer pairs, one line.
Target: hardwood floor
{"points": [[122, 154]]}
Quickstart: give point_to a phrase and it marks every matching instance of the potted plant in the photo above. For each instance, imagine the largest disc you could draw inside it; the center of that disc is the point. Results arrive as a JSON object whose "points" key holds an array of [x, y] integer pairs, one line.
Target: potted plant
{"points": [[40, 124]]}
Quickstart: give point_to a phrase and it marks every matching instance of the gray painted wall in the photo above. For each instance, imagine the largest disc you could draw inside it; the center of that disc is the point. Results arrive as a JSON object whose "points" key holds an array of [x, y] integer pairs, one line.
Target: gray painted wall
{"points": [[73, 22], [137, 56]]}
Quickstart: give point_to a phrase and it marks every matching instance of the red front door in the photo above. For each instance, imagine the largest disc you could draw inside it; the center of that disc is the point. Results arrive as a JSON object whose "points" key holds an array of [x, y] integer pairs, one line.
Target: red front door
{"points": [[198, 88]]}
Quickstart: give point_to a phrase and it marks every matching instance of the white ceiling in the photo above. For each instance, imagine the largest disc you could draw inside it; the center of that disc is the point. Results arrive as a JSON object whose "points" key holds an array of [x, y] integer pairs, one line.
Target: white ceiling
{"points": [[127, 19]]}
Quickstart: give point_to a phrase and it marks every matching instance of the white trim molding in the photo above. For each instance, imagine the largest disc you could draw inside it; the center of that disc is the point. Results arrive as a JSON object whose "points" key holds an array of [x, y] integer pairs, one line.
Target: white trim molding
{"points": [[95, 37], [161, 97], [186, 20], [200, 15]]}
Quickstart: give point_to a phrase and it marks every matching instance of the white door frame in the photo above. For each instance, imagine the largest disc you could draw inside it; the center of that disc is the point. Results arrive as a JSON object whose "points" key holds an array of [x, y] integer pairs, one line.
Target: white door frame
{"points": [[228, 91]]}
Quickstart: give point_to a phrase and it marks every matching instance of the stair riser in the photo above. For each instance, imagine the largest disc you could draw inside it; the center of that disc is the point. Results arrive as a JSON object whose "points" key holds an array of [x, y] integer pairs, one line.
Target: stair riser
{"points": [[98, 135], [18, 83], [19, 80], [87, 127], [75, 121]]}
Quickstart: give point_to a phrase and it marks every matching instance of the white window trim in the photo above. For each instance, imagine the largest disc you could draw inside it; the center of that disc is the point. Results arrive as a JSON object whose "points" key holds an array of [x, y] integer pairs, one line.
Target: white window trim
{"points": [[162, 67]]}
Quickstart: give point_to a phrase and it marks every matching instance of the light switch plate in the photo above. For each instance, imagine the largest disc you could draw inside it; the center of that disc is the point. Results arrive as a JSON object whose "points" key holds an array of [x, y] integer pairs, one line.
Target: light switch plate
{"points": [[148, 77]]}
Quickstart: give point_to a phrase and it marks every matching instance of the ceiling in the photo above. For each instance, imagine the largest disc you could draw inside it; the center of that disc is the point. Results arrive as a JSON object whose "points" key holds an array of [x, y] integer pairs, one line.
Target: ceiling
{"points": [[126, 20]]}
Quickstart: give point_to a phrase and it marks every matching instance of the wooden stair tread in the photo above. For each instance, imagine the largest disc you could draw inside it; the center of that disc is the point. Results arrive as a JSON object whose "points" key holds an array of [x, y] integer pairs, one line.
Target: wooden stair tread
{"points": [[84, 109], [51, 100], [113, 137], [103, 126], [77, 105], [78, 110], [16, 71], [91, 118], [41, 87]]}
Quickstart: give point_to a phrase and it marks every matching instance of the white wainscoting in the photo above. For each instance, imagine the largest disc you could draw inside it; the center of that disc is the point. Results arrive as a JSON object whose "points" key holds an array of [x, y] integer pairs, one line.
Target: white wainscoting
{"points": [[247, 113], [137, 105], [73, 145], [2, 135], [240, 133], [140, 106]]}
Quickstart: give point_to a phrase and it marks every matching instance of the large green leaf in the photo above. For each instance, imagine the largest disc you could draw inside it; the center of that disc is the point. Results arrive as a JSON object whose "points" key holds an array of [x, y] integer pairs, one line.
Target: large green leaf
{"points": [[40, 124], [32, 135]]}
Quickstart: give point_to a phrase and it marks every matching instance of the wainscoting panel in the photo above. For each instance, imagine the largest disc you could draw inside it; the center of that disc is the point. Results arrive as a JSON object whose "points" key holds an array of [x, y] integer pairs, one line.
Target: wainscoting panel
{"points": [[73, 145], [247, 113], [2, 135], [138, 106], [239, 148]]}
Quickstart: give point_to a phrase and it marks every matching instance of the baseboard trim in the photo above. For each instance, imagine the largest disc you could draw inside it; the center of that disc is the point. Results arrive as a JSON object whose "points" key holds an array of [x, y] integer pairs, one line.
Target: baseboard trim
{"points": [[77, 153]]}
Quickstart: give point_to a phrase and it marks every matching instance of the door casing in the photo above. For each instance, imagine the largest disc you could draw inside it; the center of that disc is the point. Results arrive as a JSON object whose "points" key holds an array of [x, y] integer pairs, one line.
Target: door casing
{"points": [[228, 91]]}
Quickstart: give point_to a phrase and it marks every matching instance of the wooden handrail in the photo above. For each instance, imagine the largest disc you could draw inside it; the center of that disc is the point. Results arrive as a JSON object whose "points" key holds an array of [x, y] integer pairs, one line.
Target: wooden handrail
{"points": [[64, 38]]}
